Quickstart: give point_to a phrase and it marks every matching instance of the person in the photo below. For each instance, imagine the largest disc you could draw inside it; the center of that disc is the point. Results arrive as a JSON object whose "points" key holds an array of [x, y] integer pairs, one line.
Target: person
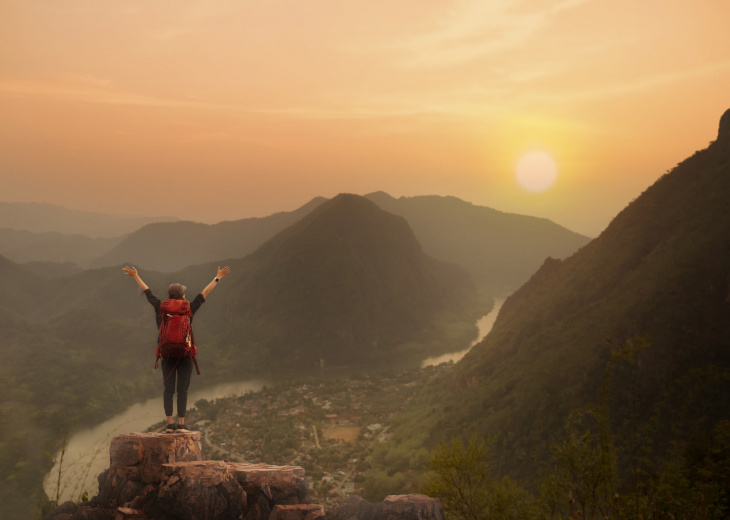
{"points": [[176, 370]]}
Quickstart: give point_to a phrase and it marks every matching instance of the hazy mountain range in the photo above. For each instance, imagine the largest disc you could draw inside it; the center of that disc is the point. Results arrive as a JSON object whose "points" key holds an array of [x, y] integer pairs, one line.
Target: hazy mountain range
{"points": [[500, 250], [346, 285], [42, 218]]}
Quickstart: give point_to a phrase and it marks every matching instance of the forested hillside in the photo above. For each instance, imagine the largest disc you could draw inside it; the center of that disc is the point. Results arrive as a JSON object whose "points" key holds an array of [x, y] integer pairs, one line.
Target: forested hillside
{"points": [[634, 328], [348, 284]]}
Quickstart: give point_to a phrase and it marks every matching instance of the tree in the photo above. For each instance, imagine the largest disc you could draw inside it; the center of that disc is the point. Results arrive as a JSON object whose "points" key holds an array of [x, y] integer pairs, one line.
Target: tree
{"points": [[460, 478]]}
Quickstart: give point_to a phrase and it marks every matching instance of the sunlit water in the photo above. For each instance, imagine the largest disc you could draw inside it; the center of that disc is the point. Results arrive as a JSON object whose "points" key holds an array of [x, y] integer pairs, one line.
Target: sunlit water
{"points": [[87, 452], [484, 325]]}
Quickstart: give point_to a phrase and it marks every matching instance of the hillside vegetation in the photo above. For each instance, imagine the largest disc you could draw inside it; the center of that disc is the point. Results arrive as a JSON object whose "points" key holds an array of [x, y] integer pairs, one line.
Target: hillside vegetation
{"points": [[348, 284], [637, 321]]}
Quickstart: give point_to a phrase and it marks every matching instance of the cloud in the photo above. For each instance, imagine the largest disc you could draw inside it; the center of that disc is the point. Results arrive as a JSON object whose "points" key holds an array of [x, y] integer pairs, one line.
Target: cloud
{"points": [[101, 91], [476, 28]]}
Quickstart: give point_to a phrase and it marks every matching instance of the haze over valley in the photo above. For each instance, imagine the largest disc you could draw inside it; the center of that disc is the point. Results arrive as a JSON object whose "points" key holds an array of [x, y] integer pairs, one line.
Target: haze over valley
{"points": [[635, 320], [387, 182]]}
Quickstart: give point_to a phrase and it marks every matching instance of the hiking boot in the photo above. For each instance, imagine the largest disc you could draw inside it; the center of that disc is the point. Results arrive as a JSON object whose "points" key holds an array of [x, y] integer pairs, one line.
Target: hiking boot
{"points": [[170, 428], [182, 428]]}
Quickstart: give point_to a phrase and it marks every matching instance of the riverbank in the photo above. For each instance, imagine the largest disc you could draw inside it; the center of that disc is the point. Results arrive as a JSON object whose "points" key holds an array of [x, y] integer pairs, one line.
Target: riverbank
{"points": [[83, 455], [338, 430]]}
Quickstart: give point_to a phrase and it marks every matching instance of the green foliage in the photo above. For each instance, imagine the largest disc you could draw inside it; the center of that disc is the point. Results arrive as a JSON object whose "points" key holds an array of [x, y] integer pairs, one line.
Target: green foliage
{"points": [[460, 476], [378, 484], [659, 272], [584, 468]]}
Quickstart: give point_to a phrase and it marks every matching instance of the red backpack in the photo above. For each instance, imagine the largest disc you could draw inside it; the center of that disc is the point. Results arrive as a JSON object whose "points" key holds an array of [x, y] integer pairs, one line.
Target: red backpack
{"points": [[175, 338]]}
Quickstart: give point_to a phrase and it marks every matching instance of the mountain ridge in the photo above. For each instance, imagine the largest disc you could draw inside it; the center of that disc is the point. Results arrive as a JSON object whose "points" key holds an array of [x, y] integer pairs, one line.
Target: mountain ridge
{"points": [[39, 217], [659, 275], [173, 246], [365, 269], [499, 249]]}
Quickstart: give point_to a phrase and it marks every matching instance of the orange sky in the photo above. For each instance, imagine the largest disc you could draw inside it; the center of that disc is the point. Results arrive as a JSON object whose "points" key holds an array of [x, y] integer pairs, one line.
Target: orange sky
{"points": [[225, 109]]}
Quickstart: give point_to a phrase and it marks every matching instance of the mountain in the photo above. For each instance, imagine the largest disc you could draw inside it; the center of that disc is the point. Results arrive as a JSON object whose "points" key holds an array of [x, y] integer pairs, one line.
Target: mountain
{"points": [[52, 246], [639, 318], [347, 284], [20, 287], [171, 246], [43, 218], [500, 250]]}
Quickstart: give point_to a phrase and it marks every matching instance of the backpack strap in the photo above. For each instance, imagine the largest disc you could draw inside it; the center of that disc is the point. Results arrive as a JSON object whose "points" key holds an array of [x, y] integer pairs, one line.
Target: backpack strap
{"points": [[194, 351]]}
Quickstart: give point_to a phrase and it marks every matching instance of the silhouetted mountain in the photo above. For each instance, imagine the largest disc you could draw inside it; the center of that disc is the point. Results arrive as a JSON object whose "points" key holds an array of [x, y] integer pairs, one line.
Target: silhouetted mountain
{"points": [[42, 218], [658, 275], [171, 246], [51, 246], [53, 269], [347, 284], [500, 250]]}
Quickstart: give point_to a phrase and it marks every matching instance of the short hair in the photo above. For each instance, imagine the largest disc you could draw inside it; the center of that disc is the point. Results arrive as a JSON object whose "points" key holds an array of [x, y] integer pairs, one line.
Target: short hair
{"points": [[176, 291]]}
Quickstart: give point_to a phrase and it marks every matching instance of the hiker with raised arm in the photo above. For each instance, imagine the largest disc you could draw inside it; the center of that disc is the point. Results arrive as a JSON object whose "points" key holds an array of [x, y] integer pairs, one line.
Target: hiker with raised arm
{"points": [[176, 343]]}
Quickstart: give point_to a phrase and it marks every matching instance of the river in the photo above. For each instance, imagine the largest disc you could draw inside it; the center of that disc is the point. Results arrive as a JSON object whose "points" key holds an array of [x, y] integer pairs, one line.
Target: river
{"points": [[484, 325], [87, 452]]}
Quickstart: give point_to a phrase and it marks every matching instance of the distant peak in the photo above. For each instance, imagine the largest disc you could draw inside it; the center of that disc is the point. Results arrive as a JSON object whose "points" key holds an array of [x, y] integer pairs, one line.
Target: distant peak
{"points": [[723, 135], [378, 195], [349, 198]]}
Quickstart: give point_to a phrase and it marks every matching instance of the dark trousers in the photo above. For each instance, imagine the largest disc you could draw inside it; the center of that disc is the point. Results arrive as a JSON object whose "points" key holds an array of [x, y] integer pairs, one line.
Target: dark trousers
{"points": [[176, 371]]}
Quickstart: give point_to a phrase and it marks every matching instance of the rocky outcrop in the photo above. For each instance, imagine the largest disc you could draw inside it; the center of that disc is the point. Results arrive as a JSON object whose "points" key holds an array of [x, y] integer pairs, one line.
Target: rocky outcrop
{"points": [[154, 476], [394, 507], [723, 134]]}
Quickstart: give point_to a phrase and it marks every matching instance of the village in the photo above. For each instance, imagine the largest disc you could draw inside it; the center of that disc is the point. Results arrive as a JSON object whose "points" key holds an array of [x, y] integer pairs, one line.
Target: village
{"points": [[329, 427]]}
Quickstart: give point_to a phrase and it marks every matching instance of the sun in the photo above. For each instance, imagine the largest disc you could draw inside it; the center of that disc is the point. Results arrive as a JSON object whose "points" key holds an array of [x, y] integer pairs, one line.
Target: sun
{"points": [[536, 171]]}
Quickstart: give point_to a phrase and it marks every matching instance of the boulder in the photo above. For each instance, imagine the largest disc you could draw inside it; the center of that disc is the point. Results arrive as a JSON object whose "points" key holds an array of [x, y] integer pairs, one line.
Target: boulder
{"points": [[166, 477], [412, 507], [297, 512], [403, 507], [141, 455], [136, 459]]}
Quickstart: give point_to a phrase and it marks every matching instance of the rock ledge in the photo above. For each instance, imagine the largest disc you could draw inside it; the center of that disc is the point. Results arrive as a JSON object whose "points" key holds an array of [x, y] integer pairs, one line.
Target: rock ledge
{"points": [[155, 476]]}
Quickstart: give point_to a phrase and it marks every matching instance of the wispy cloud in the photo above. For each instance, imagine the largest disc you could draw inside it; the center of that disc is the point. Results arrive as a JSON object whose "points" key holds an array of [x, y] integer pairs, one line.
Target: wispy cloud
{"points": [[99, 91], [477, 28]]}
